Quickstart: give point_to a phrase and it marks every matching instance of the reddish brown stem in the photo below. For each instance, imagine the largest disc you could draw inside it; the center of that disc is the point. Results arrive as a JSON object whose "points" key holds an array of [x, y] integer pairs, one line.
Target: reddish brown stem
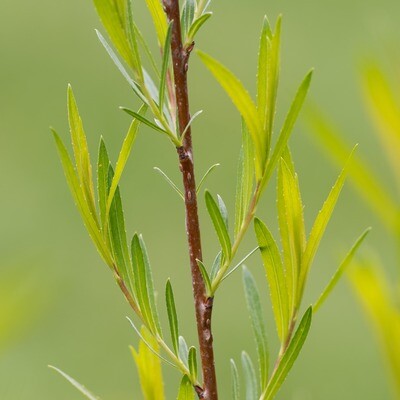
{"points": [[203, 304]]}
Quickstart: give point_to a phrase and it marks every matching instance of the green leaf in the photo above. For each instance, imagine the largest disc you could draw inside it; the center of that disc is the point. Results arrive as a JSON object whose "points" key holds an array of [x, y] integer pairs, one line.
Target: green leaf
{"points": [[206, 277], [205, 176], [131, 36], [219, 225], [103, 163], [142, 286], [235, 381], [187, 15], [80, 201], [291, 226], [244, 185], [243, 102], [340, 271], [144, 120], [121, 68], [113, 15], [123, 156], [257, 323], [289, 357], [287, 128], [76, 384], [172, 316], [250, 377], [276, 277], [365, 180], [320, 224], [81, 152], [183, 350], [164, 68], [223, 210], [149, 366], [159, 19], [185, 389], [118, 240], [192, 360], [170, 182], [216, 266], [195, 27], [239, 264]]}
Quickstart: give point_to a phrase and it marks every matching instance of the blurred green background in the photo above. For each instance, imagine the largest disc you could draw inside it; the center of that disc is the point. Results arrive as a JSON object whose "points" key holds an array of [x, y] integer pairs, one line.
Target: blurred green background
{"points": [[73, 314]]}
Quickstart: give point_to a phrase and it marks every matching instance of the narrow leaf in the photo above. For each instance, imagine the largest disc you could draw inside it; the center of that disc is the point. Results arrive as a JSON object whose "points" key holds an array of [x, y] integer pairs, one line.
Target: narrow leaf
{"points": [[192, 357], [252, 392], [223, 210], [187, 15], [219, 225], [216, 266], [185, 389], [170, 182], [320, 225], [257, 323], [149, 367], [289, 357], [205, 177], [206, 277], [287, 128], [275, 276], [183, 350], [245, 179], [80, 201], [123, 156], [197, 24], [340, 271], [235, 381], [103, 163], [159, 19], [76, 384], [164, 68], [144, 120], [172, 316], [243, 102]]}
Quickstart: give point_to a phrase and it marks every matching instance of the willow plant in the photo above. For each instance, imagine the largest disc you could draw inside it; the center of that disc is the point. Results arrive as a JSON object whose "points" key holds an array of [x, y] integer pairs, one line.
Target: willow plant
{"points": [[380, 299], [163, 92]]}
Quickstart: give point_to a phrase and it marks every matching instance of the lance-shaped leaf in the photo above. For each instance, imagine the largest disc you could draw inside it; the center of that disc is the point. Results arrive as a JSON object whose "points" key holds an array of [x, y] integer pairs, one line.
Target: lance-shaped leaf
{"points": [[81, 152], [188, 10], [164, 68], [276, 277], [159, 19], [243, 102], [365, 180], [103, 163], [149, 367], [183, 350], [257, 323], [123, 156], [172, 316], [134, 85], [143, 284], [244, 185], [80, 201], [291, 225], [114, 16], [287, 127], [192, 361], [119, 244], [206, 277], [289, 357], [185, 389], [235, 381], [195, 27], [250, 377], [219, 225], [76, 384], [223, 210], [320, 225], [340, 271]]}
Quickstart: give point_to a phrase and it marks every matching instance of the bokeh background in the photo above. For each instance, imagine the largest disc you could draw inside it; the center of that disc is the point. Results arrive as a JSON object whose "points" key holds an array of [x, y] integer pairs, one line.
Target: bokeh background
{"points": [[58, 302]]}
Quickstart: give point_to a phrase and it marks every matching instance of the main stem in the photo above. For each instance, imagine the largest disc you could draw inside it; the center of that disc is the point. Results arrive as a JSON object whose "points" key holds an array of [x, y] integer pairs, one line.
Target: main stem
{"points": [[203, 304]]}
